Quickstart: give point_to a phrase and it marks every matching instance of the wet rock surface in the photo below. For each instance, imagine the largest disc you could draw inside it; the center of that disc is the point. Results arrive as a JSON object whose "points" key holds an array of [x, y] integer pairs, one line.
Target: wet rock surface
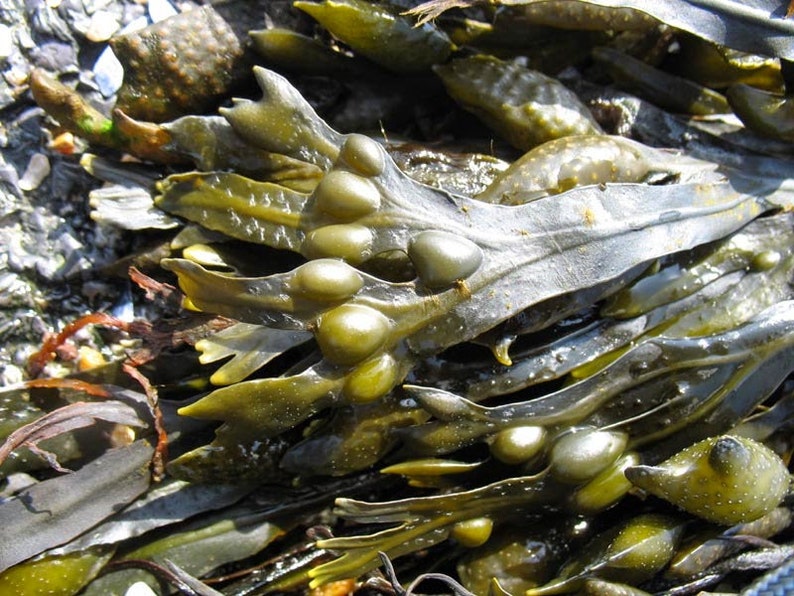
{"points": [[54, 266]]}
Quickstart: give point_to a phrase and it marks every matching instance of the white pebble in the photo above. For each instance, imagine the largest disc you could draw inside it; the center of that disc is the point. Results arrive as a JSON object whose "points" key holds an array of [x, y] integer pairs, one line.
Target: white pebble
{"points": [[11, 375], [130, 208], [25, 39], [160, 10], [6, 42], [108, 72], [102, 26], [38, 169], [140, 589]]}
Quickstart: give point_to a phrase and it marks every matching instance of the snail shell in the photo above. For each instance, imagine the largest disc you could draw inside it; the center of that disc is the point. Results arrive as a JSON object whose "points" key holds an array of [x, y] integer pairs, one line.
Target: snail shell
{"points": [[725, 480], [183, 64]]}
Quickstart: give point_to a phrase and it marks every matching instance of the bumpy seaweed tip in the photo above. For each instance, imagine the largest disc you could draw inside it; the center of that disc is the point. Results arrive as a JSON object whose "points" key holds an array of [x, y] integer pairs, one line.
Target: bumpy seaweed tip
{"points": [[569, 162], [391, 40], [725, 480], [525, 106], [587, 16]]}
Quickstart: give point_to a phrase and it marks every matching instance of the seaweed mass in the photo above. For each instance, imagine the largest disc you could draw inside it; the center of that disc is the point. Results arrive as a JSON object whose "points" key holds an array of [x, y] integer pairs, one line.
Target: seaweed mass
{"points": [[493, 296]]}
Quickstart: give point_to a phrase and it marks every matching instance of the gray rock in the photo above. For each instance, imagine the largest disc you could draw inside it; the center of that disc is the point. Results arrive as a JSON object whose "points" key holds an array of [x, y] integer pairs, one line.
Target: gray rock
{"points": [[51, 244]]}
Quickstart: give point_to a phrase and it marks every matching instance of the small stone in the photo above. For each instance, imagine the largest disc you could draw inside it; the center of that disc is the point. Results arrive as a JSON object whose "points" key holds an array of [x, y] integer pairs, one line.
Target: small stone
{"points": [[6, 42], [25, 40], [22, 355], [108, 73], [15, 483], [88, 358], [124, 309], [130, 208], [55, 56], [64, 143], [15, 291], [16, 76], [102, 26], [38, 169], [159, 10], [139, 589]]}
